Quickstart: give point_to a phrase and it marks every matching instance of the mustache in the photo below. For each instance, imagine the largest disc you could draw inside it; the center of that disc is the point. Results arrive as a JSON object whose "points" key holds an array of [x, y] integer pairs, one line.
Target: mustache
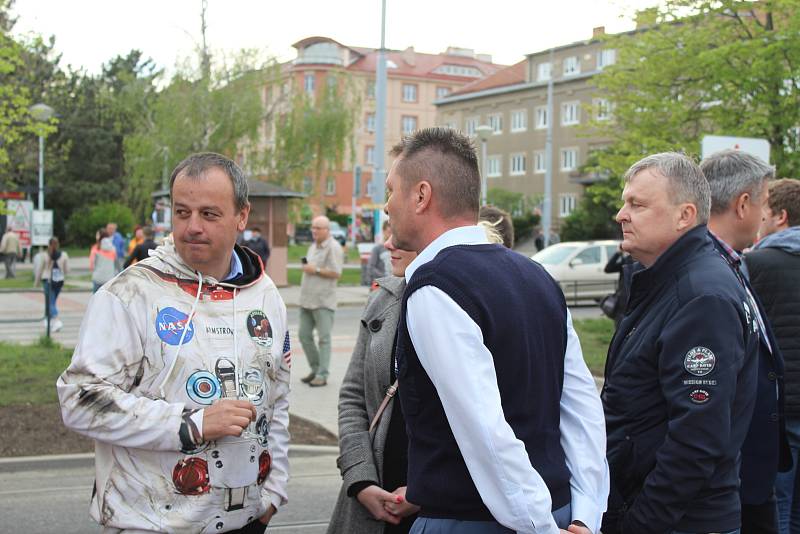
{"points": [[195, 241]]}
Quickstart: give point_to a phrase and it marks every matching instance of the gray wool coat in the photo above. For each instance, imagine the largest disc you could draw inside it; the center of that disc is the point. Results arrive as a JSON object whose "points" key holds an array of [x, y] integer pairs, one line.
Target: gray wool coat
{"points": [[364, 386]]}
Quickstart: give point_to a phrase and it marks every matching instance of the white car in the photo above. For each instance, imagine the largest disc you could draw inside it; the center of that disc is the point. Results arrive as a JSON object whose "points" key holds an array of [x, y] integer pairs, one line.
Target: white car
{"points": [[578, 267]]}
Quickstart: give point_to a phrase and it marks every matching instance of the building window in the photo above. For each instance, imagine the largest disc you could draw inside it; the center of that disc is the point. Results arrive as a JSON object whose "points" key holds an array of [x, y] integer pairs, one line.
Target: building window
{"points": [[370, 122], [541, 117], [330, 185], [570, 113], [369, 155], [496, 123], [442, 92], [409, 124], [567, 205], [543, 72], [371, 89], [494, 166], [309, 81], [606, 58], [307, 185], [409, 92], [517, 164], [471, 125], [602, 109], [572, 66], [569, 159], [519, 120], [539, 163]]}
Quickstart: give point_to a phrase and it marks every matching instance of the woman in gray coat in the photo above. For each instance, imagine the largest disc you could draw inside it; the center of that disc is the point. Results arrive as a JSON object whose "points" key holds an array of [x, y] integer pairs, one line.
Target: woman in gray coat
{"points": [[366, 505]]}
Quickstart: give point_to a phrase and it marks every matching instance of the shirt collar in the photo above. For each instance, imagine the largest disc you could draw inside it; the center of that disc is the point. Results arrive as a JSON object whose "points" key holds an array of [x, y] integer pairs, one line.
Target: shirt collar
{"points": [[236, 268], [733, 256], [464, 235]]}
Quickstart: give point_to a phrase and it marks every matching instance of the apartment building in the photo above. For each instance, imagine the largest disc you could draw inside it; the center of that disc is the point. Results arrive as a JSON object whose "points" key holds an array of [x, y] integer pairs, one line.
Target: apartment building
{"points": [[414, 81], [513, 103]]}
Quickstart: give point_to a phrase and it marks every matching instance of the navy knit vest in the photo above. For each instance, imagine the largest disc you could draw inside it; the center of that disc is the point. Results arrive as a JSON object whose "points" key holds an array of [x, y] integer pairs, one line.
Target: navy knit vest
{"points": [[522, 314]]}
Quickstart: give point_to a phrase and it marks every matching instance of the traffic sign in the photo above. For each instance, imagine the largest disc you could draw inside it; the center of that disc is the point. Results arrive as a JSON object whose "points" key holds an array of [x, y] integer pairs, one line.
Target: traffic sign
{"points": [[42, 227]]}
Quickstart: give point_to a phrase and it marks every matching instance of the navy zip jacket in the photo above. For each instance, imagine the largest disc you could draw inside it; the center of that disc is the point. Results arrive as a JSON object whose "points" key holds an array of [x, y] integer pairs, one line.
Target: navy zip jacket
{"points": [[679, 394]]}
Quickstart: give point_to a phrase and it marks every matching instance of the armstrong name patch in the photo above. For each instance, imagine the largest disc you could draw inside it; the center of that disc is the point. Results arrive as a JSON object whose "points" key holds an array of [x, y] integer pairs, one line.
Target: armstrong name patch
{"points": [[699, 361]]}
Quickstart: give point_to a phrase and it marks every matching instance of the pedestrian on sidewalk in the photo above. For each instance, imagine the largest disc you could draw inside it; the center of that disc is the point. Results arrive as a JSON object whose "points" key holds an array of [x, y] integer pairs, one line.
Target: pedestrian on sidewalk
{"points": [[51, 266], [322, 268], [101, 260], [119, 244], [142, 250], [259, 245], [10, 250], [136, 240], [181, 373]]}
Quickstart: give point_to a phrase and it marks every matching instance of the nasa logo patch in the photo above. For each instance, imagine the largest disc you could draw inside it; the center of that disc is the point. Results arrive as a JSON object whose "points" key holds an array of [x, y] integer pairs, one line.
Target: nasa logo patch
{"points": [[699, 361], [170, 324], [699, 396], [259, 328], [203, 387]]}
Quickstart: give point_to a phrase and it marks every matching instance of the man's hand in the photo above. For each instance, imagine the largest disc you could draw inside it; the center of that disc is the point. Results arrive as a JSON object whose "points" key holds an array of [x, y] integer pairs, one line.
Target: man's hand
{"points": [[373, 499], [309, 268], [578, 529], [400, 506], [266, 517], [227, 417]]}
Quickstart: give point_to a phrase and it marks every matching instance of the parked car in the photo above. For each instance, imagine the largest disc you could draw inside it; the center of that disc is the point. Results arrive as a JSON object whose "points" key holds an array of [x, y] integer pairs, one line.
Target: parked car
{"points": [[338, 233], [302, 233], [578, 267]]}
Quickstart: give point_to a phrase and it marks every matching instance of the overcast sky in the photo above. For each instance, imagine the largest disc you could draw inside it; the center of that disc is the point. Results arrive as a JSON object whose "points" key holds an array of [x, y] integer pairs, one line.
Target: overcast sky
{"points": [[89, 32]]}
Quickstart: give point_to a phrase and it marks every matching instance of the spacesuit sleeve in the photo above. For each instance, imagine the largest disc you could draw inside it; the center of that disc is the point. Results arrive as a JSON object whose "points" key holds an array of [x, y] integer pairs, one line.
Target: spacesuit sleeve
{"points": [[95, 390]]}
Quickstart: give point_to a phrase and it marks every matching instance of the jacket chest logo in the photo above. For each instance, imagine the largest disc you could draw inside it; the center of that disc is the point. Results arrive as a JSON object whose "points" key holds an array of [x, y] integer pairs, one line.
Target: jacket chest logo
{"points": [[259, 328], [170, 326]]}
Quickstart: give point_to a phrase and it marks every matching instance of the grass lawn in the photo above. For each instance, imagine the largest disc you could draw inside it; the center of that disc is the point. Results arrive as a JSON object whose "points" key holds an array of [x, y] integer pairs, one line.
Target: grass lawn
{"points": [[77, 252], [30, 372], [24, 280], [350, 277], [298, 251], [595, 336]]}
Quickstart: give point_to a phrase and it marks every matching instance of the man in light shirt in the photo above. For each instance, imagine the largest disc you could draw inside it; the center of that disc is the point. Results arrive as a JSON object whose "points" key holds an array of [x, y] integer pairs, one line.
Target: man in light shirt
{"points": [[504, 422]]}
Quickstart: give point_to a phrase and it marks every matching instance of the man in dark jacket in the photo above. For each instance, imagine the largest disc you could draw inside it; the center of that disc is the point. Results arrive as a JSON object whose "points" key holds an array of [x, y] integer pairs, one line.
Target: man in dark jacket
{"points": [[738, 183], [774, 267], [681, 370], [259, 245], [142, 251]]}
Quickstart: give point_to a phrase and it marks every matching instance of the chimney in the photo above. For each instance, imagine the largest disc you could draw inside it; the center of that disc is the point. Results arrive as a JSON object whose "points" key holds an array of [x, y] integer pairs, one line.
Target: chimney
{"points": [[599, 31], [409, 56]]}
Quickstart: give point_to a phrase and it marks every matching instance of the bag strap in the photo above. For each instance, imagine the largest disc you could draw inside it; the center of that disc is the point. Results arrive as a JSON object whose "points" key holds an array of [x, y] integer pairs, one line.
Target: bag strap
{"points": [[390, 392]]}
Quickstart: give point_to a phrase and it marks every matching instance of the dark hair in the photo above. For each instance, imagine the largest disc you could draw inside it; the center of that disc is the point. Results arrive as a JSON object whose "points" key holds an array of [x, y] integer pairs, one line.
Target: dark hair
{"points": [[256, 229], [196, 165], [101, 234], [784, 194], [501, 221], [148, 232], [446, 159]]}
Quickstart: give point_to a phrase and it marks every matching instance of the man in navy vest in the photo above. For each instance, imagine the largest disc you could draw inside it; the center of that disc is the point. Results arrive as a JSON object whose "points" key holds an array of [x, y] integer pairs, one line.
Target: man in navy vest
{"points": [[739, 190], [682, 367], [503, 419]]}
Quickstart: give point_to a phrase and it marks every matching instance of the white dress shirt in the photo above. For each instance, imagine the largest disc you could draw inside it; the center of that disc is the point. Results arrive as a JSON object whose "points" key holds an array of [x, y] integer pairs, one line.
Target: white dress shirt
{"points": [[497, 461]]}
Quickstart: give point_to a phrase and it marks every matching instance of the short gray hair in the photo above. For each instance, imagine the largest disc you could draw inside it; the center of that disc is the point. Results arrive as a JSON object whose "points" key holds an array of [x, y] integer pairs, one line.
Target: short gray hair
{"points": [[731, 173], [686, 180], [196, 165]]}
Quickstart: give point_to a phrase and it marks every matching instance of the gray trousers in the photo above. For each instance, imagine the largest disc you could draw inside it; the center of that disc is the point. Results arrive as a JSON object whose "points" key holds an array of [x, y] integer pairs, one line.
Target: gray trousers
{"points": [[10, 260], [319, 357], [429, 525]]}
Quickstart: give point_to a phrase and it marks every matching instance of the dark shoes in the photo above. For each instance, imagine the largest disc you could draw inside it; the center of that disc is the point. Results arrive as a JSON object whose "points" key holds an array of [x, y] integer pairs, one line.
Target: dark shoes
{"points": [[318, 382], [308, 378]]}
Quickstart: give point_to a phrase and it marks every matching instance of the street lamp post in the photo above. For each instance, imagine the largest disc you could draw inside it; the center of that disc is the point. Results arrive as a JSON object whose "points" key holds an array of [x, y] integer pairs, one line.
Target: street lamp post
{"points": [[484, 131], [42, 113]]}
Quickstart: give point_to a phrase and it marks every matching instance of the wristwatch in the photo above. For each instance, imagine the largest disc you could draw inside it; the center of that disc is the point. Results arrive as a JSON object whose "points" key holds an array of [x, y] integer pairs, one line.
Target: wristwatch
{"points": [[317, 270]]}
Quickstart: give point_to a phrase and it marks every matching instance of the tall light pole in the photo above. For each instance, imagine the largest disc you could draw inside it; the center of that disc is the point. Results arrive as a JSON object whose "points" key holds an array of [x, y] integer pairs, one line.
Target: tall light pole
{"points": [[547, 211], [378, 185], [42, 113], [484, 131]]}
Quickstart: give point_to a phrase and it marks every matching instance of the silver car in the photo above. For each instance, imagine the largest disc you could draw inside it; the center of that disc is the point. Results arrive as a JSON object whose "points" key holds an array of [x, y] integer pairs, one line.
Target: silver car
{"points": [[578, 267]]}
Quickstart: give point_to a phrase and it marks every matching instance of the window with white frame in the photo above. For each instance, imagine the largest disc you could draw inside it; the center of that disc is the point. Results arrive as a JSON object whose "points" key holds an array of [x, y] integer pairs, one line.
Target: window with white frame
{"points": [[370, 123], [606, 58], [517, 164], [330, 185], [409, 92], [409, 124], [495, 123], [572, 66], [602, 109], [570, 113], [567, 203], [539, 162], [471, 125], [519, 120], [569, 159], [543, 71], [309, 81], [494, 166], [442, 92], [369, 155], [541, 117]]}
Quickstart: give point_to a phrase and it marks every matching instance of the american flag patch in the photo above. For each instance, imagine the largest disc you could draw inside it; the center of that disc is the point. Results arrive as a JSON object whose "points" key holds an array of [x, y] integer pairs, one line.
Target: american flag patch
{"points": [[287, 351]]}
